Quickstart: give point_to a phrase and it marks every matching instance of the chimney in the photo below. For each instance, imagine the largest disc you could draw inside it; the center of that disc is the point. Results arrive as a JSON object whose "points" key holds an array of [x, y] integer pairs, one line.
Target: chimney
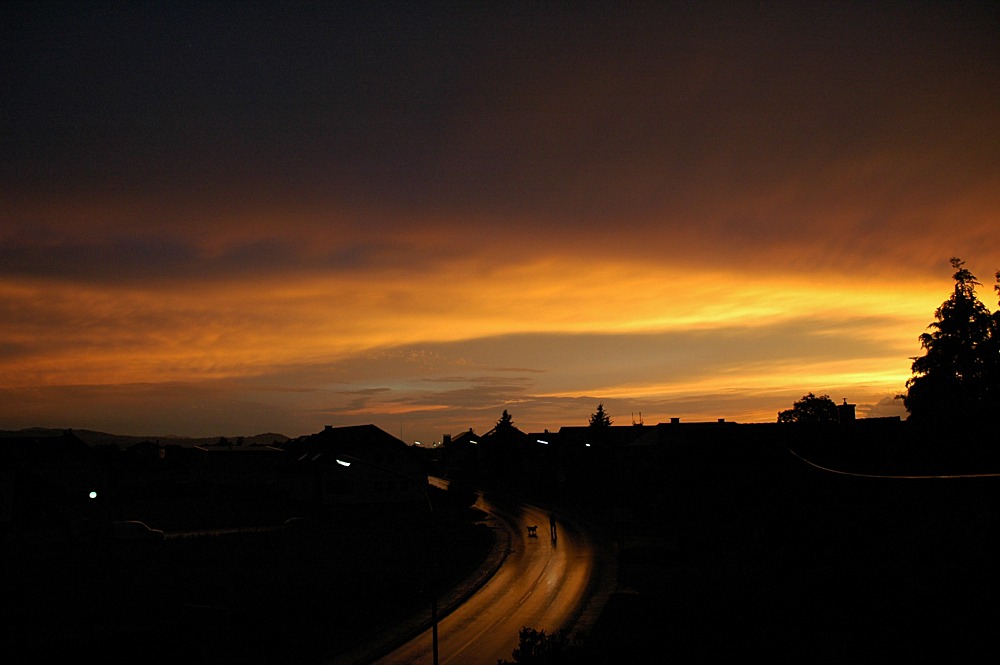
{"points": [[845, 412]]}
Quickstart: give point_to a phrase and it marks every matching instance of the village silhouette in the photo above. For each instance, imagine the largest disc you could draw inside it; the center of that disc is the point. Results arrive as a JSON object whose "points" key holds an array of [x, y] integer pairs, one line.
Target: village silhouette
{"points": [[821, 535]]}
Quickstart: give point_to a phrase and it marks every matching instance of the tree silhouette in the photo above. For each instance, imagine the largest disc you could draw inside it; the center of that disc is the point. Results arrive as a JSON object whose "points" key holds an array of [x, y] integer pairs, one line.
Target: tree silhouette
{"points": [[599, 418], [992, 356], [536, 647], [811, 409], [957, 379], [505, 424]]}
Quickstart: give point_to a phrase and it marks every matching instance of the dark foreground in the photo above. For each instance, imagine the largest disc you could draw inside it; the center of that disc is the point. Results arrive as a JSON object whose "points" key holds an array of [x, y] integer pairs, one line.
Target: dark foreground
{"points": [[806, 567], [282, 596], [827, 569]]}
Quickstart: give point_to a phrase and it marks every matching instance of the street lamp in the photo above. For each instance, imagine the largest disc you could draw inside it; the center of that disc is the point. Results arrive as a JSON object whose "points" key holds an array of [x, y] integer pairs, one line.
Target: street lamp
{"points": [[348, 460]]}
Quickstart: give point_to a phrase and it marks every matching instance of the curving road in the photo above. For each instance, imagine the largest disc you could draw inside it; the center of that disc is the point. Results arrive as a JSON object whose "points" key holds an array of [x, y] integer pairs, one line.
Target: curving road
{"points": [[544, 583]]}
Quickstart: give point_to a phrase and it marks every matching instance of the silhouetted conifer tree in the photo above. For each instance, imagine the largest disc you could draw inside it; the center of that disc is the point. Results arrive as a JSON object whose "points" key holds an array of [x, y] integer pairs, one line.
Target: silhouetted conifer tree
{"points": [[957, 380], [599, 418], [505, 424]]}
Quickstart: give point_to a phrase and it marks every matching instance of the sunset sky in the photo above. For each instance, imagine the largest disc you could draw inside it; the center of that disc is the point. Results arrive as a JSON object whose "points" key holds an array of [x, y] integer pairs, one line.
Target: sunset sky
{"points": [[226, 219]]}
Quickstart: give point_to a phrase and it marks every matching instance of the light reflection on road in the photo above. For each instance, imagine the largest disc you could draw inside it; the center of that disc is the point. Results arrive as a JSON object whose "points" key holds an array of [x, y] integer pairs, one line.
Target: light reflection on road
{"points": [[542, 585]]}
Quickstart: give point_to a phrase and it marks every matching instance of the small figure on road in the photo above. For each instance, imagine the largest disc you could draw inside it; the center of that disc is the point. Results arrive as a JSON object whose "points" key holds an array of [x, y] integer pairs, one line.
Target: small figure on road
{"points": [[552, 525]]}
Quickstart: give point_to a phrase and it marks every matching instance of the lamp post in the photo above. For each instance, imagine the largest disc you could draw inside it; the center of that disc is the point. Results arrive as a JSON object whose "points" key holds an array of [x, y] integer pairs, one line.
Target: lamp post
{"points": [[348, 460]]}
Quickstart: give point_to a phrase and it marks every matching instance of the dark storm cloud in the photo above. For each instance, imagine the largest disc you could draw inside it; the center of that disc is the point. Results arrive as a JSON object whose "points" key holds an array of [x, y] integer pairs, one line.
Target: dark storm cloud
{"points": [[712, 127], [130, 253], [153, 94], [100, 259], [478, 102]]}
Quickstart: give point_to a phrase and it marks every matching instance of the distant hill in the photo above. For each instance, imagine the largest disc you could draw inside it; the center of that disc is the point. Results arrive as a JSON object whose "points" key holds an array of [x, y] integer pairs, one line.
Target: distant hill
{"points": [[93, 438]]}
